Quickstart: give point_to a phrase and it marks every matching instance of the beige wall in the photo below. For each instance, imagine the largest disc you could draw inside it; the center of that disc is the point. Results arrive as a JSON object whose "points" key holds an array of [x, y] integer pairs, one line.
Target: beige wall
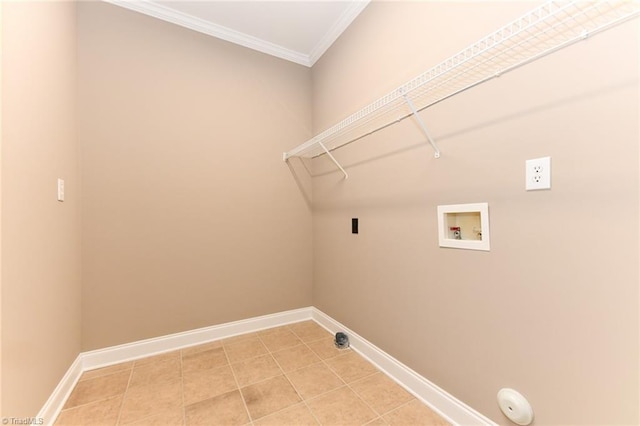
{"points": [[190, 217], [40, 236], [552, 309], [184, 226], [1, 43]]}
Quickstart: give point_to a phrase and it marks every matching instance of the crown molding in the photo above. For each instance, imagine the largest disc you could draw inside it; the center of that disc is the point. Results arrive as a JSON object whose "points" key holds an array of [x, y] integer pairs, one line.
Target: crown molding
{"points": [[164, 13], [347, 17]]}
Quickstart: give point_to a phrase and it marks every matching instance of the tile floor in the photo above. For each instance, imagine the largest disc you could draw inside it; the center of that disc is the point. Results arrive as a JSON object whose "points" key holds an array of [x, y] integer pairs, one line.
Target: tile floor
{"points": [[290, 375]]}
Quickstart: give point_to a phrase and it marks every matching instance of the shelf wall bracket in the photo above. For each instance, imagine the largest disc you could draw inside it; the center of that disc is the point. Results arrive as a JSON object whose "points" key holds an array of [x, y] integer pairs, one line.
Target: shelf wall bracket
{"points": [[346, 176], [423, 126]]}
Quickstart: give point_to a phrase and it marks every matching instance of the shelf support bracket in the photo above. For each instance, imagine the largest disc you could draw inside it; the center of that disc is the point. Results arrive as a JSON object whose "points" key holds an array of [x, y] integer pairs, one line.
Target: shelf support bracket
{"points": [[422, 126], [346, 176]]}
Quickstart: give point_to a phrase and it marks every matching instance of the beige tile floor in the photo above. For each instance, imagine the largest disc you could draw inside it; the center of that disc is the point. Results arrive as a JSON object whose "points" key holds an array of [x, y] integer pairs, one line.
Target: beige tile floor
{"points": [[290, 375]]}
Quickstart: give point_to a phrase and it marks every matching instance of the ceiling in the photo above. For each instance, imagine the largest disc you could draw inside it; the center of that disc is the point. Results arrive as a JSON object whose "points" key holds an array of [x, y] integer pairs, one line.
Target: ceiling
{"points": [[298, 31]]}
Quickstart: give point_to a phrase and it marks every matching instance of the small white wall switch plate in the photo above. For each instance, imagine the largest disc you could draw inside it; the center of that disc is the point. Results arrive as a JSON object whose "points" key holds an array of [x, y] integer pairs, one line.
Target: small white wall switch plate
{"points": [[60, 189], [538, 174]]}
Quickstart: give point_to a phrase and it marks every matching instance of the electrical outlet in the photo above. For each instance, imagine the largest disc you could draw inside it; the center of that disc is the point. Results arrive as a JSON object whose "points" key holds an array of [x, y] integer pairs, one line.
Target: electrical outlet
{"points": [[538, 174]]}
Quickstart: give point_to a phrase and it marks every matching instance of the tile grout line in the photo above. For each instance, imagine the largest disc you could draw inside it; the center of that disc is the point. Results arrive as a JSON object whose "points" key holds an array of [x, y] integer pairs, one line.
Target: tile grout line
{"points": [[97, 400], [304, 400], [121, 370], [259, 336], [124, 395], [365, 402], [129, 386], [184, 408], [323, 361], [262, 380], [378, 415], [346, 384], [270, 353], [86, 404], [302, 342], [403, 404], [244, 403]]}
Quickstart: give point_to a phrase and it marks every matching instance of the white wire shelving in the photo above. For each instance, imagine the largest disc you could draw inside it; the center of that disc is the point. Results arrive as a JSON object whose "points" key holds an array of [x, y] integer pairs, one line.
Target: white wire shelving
{"points": [[544, 30]]}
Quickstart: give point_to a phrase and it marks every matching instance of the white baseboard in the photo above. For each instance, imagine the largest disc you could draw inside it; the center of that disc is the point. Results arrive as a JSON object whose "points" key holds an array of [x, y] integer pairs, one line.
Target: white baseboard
{"points": [[452, 409], [144, 348], [149, 347], [61, 393], [455, 411]]}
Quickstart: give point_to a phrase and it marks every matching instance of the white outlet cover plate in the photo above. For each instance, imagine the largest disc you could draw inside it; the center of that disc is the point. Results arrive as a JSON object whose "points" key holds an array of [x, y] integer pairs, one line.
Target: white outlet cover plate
{"points": [[538, 174]]}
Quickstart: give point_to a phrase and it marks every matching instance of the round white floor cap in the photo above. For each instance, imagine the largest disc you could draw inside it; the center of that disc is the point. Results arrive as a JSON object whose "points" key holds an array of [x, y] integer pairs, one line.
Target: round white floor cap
{"points": [[515, 406]]}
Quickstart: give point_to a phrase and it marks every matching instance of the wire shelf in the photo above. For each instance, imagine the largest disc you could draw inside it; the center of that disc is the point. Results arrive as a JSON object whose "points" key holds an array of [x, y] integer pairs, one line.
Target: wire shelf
{"points": [[544, 30]]}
